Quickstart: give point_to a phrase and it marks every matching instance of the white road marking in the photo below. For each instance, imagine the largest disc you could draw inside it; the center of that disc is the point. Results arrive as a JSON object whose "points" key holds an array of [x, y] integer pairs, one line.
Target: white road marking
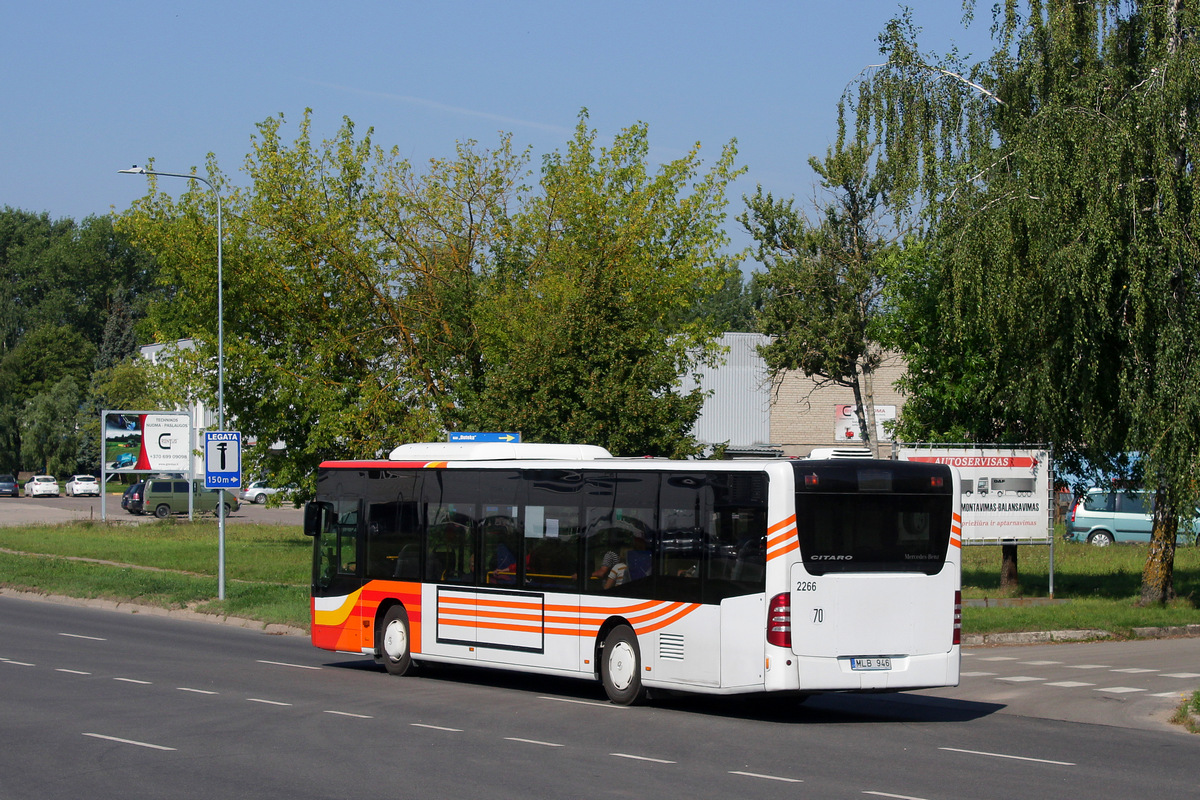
{"points": [[285, 664], [583, 702], [1070, 684], [71, 671], [128, 741], [643, 758], [17, 663], [1088, 666], [81, 636], [436, 727], [1119, 689], [1134, 670], [267, 702], [896, 796], [1040, 663], [975, 674], [1020, 678], [348, 714], [1181, 675], [765, 777], [533, 741], [1006, 755], [133, 680], [196, 691], [999, 658]]}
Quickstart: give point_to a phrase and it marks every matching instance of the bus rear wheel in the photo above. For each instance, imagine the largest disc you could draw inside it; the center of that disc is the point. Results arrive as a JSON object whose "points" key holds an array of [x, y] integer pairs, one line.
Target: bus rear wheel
{"points": [[394, 646], [621, 667]]}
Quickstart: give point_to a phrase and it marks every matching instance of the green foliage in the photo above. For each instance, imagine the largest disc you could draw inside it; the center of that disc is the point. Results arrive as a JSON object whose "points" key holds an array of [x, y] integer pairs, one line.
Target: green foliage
{"points": [[369, 303], [823, 284], [1058, 181], [70, 297], [48, 429], [590, 323], [349, 280]]}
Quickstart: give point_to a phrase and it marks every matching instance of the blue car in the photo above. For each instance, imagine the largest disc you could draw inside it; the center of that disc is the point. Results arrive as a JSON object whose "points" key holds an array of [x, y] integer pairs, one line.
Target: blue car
{"points": [[1107, 516]]}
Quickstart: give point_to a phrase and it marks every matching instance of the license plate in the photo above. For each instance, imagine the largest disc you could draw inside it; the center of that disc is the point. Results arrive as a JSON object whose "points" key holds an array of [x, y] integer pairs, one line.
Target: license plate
{"points": [[870, 663]]}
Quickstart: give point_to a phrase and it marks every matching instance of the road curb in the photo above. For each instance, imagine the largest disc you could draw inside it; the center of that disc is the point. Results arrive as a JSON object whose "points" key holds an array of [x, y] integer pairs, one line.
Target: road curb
{"points": [[155, 611], [1042, 637]]}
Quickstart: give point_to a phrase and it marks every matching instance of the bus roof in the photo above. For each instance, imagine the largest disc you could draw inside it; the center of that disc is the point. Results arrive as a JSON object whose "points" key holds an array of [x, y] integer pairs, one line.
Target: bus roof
{"points": [[496, 451]]}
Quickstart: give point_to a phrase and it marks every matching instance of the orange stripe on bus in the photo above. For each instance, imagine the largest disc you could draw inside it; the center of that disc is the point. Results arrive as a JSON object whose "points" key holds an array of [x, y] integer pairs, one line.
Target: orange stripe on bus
{"points": [[782, 524], [669, 621]]}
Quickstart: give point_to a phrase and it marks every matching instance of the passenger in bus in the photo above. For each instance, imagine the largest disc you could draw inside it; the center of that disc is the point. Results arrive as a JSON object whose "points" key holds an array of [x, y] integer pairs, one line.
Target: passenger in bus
{"points": [[631, 563], [613, 539]]}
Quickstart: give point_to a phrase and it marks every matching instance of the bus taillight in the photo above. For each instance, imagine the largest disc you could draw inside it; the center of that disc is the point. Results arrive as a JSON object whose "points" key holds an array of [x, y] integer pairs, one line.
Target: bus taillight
{"points": [[779, 621], [957, 618]]}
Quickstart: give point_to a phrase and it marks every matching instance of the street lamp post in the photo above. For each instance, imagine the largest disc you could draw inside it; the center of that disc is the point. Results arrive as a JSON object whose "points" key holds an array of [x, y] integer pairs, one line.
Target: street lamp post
{"points": [[136, 170]]}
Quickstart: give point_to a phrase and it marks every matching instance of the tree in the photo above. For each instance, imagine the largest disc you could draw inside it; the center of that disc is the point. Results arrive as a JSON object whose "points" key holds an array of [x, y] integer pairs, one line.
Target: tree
{"points": [[349, 283], [69, 290], [823, 280], [49, 435], [1058, 181], [734, 307], [589, 324], [40, 361]]}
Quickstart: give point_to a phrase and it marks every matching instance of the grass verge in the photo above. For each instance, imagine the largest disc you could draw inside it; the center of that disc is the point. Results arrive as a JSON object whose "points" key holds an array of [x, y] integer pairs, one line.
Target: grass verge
{"points": [[173, 564], [1098, 587], [1188, 714]]}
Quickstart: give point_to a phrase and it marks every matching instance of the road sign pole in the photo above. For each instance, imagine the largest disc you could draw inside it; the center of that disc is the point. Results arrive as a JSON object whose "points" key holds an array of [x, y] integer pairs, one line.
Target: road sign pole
{"points": [[222, 470]]}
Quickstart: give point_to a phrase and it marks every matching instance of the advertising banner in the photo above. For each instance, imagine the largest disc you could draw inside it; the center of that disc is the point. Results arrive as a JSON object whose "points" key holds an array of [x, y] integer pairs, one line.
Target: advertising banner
{"points": [[845, 423], [1005, 491], [147, 441]]}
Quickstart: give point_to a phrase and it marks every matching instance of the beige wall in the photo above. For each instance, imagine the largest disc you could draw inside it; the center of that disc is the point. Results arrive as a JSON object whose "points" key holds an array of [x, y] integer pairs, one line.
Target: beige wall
{"points": [[803, 415]]}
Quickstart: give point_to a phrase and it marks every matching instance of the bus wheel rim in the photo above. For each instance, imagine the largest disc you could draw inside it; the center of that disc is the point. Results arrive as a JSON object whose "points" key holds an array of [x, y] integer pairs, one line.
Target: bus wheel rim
{"points": [[621, 665], [395, 641]]}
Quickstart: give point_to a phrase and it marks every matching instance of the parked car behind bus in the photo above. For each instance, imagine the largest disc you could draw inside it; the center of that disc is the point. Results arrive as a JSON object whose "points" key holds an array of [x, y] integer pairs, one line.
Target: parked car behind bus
{"points": [[1104, 516], [42, 486], [83, 485], [166, 497]]}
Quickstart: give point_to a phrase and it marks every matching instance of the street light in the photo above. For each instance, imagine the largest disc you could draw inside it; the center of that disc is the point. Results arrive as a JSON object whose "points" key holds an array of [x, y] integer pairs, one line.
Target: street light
{"points": [[136, 170]]}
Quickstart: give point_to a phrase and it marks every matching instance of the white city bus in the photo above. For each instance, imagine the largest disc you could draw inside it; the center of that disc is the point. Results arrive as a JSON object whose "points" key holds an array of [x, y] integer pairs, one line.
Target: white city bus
{"points": [[707, 576]]}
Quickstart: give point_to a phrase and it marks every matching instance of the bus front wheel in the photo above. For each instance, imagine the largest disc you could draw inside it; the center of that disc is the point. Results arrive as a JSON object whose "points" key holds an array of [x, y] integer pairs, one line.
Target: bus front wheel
{"points": [[621, 667], [394, 642]]}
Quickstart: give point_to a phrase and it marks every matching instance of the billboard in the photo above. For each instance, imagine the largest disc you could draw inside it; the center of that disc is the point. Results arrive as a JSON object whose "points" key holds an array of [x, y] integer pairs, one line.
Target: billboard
{"points": [[1005, 491], [845, 423], [147, 441]]}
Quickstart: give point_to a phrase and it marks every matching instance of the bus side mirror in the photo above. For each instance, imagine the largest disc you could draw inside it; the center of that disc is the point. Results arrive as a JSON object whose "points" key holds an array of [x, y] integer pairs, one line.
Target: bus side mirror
{"points": [[313, 515]]}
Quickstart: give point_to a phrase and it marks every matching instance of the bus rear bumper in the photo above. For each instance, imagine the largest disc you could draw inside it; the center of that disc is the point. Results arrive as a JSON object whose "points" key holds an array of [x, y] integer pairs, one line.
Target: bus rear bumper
{"points": [[866, 674]]}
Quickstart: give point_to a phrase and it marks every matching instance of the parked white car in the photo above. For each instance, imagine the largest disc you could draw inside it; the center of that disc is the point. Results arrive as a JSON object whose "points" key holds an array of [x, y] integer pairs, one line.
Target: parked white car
{"points": [[42, 486], [83, 486]]}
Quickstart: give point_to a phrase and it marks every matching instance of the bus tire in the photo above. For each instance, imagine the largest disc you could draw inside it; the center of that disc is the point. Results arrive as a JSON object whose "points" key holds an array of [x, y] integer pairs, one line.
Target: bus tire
{"points": [[394, 646], [621, 667]]}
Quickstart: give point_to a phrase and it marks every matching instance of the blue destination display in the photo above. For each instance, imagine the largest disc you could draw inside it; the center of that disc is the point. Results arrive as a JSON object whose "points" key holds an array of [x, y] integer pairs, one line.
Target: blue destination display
{"points": [[488, 436]]}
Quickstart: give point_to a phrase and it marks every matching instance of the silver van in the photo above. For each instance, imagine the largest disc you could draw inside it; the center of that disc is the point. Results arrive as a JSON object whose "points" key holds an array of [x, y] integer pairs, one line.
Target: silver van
{"points": [[1104, 516]]}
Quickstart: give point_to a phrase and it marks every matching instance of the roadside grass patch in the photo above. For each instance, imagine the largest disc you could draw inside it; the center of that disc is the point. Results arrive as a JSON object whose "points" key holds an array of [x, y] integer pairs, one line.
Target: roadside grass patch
{"points": [[173, 564], [1188, 713]]}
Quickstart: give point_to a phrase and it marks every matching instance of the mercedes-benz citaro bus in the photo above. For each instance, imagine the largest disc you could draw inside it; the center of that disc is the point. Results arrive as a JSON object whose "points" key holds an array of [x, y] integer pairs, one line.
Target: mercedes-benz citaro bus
{"points": [[723, 577]]}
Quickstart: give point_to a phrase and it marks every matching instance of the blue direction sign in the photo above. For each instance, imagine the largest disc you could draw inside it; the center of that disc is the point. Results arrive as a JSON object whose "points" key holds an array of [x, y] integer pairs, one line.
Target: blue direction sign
{"points": [[222, 459], [490, 436]]}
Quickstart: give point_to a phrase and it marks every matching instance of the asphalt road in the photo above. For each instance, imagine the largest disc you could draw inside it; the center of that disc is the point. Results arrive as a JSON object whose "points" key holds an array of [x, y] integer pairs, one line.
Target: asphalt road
{"points": [[104, 704]]}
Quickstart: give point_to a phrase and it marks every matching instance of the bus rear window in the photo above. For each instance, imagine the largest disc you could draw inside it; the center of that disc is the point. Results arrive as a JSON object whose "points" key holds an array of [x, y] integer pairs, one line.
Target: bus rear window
{"points": [[891, 518]]}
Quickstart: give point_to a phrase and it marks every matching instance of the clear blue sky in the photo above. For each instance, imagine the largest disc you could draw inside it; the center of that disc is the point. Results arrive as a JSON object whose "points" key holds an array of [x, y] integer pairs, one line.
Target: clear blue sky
{"points": [[91, 88]]}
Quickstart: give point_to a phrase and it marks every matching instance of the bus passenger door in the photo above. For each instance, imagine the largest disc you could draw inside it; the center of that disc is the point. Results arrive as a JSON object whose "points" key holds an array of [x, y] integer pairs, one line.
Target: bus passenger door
{"points": [[337, 575]]}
